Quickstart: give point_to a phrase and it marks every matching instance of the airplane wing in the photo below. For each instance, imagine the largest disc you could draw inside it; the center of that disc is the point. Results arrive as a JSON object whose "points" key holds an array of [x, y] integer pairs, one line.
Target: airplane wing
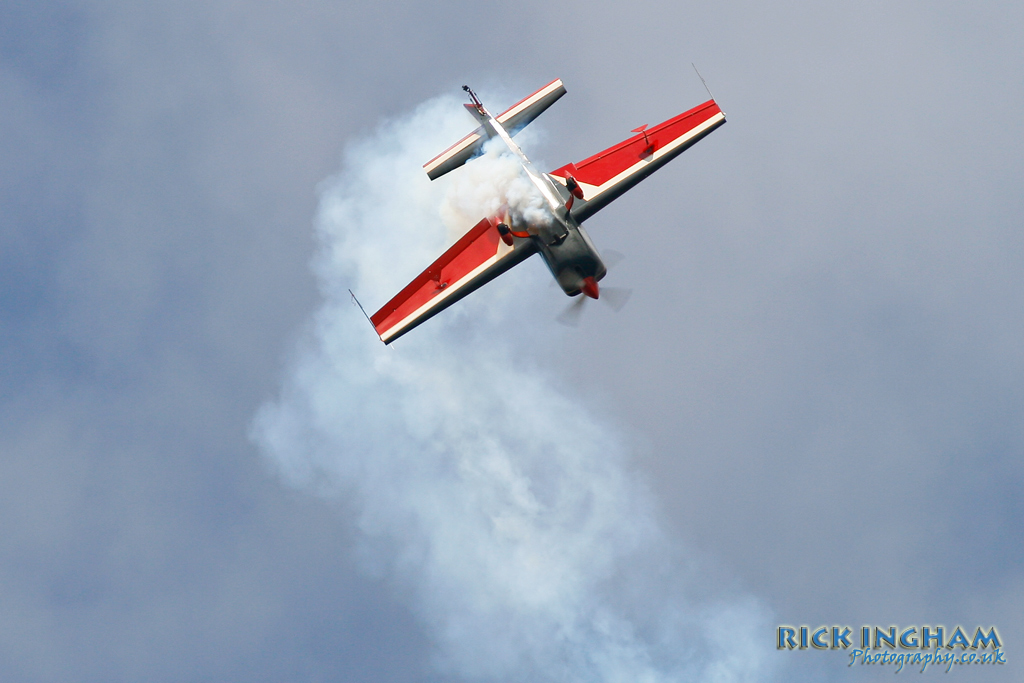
{"points": [[513, 119], [608, 174], [477, 258]]}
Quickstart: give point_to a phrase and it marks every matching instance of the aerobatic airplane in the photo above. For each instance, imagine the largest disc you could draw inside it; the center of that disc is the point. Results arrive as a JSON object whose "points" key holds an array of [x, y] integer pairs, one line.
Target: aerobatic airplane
{"points": [[571, 194]]}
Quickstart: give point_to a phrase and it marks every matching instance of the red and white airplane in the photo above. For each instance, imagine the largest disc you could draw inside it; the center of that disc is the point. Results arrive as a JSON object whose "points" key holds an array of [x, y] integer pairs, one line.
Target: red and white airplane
{"points": [[571, 194]]}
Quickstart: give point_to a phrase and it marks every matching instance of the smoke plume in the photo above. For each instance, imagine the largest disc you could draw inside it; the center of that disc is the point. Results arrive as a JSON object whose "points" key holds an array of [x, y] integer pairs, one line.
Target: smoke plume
{"points": [[504, 510]]}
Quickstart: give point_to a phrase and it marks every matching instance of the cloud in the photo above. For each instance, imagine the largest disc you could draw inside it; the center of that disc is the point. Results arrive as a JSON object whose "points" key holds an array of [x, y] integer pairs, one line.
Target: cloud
{"points": [[820, 365], [508, 512]]}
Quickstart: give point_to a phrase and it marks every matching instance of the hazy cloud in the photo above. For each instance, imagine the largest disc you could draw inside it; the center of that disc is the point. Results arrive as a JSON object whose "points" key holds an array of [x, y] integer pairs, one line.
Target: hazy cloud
{"points": [[819, 372]]}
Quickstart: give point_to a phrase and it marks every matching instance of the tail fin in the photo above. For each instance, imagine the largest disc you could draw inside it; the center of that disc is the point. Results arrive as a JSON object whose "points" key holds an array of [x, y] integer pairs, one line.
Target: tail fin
{"points": [[513, 119]]}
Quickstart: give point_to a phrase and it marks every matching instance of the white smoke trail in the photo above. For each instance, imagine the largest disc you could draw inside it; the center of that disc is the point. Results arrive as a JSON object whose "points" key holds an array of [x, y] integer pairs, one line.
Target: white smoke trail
{"points": [[509, 512]]}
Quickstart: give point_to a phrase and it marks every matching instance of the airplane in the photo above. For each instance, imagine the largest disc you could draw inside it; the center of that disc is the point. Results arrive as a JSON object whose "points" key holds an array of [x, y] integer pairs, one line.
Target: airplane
{"points": [[570, 195]]}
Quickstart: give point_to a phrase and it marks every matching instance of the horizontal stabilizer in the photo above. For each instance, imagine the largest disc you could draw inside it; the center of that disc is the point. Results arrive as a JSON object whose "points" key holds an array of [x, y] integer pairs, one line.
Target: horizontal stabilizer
{"points": [[513, 120]]}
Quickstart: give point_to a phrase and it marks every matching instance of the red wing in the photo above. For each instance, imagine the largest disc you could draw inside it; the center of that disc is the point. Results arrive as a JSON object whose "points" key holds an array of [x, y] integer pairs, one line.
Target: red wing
{"points": [[476, 259], [606, 175]]}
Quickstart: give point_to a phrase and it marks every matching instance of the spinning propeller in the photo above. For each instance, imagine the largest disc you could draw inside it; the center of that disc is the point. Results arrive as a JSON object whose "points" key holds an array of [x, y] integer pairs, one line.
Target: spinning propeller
{"points": [[614, 297]]}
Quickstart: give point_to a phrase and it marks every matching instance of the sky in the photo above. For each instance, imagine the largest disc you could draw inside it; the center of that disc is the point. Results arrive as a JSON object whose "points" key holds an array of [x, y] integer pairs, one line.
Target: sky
{"points": [[810, 412]]}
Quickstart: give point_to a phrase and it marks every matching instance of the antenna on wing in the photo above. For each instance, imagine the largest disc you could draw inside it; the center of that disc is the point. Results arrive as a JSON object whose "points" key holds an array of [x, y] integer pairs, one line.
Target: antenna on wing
{"points": [[702, 80], [356, 301]]}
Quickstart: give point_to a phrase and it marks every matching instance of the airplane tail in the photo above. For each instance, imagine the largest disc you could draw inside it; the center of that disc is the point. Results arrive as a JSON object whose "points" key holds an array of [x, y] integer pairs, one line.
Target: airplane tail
{"points": [[513, 120]]}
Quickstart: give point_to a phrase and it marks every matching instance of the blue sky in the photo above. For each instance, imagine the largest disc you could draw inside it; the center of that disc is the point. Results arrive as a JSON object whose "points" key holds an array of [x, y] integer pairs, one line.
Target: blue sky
{"points": [[817, 381]]}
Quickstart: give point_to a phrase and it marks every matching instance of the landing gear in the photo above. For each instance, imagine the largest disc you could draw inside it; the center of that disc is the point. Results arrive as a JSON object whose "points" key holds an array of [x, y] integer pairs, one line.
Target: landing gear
{"points": [[575, 191], [506, 233]]}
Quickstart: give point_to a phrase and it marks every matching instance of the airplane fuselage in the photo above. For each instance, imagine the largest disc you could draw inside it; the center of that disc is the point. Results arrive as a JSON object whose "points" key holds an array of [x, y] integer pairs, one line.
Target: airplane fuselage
{"points": [[564, 245]]}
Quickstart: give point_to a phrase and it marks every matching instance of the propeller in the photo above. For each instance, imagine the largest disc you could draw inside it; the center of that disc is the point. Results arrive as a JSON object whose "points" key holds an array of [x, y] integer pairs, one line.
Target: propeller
{"points": [[614, 297], [612, 258], [573, 312]]}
